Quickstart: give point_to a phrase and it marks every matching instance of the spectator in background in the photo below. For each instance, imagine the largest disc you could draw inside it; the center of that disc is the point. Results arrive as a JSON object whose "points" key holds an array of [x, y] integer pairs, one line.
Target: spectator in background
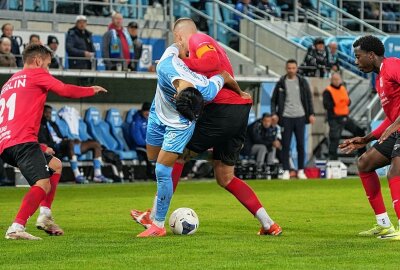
{"points": [[50, 134], [316, 59], [137, 132], [243, 7], [79, 45], [268, 7], [336, 103], [333, 57], [292, 107], [118, 45], [262, 140], [7, 59], [137, 45], [52, 43], [7, 30], [34, 39]]}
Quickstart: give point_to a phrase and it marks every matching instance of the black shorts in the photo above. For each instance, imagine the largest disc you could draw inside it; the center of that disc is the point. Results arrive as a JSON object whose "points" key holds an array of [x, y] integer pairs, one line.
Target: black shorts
{"points": [[391, 147], [30, 159], [223, 128]]}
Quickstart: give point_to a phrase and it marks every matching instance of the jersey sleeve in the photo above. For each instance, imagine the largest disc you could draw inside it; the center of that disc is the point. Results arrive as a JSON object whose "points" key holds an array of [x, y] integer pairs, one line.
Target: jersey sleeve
{"points": [[381, 128], [49, 83], [171, 50], [211, 90]]}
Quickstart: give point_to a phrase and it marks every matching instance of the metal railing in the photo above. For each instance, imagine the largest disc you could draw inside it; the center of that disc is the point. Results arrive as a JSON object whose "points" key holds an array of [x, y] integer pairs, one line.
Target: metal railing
{"points": [[131, 10]]}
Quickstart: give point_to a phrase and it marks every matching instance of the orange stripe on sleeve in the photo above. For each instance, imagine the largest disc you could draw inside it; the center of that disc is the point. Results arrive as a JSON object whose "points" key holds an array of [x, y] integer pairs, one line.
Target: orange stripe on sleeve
{"points": [[203, 49]]}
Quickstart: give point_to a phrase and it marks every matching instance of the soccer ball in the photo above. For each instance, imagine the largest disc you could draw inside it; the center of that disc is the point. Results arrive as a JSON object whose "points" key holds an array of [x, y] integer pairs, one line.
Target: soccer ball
{"points": [[184, 221]]}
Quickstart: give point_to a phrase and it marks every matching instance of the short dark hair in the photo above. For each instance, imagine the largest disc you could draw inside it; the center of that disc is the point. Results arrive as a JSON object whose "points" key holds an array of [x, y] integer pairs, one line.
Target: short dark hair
{"points": [[370, 44], [133, 25], [319, 41], [34, 50], [291, 61], [190, 103], [5, 25], [47, 107], [34, 36], [265, 115], [146, 106]]}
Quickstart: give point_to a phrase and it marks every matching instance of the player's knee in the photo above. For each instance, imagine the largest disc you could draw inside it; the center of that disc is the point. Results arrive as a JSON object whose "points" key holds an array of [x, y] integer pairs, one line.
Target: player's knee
{"points": [[362, 164], [56, 165], [223, 179]]}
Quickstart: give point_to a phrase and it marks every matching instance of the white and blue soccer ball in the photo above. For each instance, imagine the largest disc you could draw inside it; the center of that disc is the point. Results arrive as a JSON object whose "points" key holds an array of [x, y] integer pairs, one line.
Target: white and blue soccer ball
{"points": [[184, 221]]}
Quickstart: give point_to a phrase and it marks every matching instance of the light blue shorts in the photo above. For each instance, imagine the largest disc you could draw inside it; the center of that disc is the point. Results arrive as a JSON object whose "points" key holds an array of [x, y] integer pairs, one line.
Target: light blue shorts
{"points": [[169, 138]]}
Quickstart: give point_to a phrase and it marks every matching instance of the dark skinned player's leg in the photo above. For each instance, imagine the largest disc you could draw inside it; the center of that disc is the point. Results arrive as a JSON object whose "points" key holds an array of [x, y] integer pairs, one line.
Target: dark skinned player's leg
{"points": [[367, 164], [96, 148], [394, 184]]}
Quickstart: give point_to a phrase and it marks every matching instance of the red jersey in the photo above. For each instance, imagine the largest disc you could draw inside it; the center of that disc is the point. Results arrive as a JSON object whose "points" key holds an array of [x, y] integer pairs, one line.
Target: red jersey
{"points": [[22, 102], [387, 85], [207, 57]]}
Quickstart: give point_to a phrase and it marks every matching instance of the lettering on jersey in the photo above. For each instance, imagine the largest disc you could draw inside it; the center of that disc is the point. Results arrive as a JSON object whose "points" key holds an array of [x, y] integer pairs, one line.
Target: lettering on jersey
{"points": [[4, 134], [381, 82], [181, 66], [13, 83], [203, 49]]}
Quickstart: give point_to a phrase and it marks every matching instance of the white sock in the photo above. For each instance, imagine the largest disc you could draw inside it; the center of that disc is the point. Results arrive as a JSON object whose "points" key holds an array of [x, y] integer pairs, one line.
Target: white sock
{"points": [[264, 218], [159, 224], [75, 171], [17, 226], [383, 220], [154, 208], [97, 172], [45, 211]]}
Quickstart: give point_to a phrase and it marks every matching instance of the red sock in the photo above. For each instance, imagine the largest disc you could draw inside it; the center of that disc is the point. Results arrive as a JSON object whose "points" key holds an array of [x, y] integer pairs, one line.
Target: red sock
{"points": [[30, 204], [48, 200], [244, 194], [372, 187], [394, 185], [176, 173]]}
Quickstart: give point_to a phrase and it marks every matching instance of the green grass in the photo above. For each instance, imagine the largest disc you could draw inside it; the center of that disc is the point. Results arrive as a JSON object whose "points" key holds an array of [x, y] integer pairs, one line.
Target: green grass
{"points": [[320, 220]]}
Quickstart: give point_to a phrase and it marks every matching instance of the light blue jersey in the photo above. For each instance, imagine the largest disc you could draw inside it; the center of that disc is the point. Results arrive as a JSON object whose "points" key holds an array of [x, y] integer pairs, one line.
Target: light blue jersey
{"points": [[169, 69]]}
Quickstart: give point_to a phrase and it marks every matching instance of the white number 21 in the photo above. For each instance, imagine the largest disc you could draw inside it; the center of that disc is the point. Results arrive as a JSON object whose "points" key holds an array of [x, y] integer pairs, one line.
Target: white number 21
{"points": [[10, 104]]}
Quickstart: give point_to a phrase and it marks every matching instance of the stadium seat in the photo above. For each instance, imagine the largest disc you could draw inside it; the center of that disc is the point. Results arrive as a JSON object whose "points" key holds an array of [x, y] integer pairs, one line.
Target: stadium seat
{"points": [[126, 126], [222, 33], [228, 17], [114, 119], [100, 131], [181, 10], [64, 129]]}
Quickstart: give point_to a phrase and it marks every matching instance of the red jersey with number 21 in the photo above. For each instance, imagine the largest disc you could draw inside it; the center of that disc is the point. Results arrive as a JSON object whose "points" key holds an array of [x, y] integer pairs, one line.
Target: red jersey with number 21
{"points": [[208, 58], [22, 102]]}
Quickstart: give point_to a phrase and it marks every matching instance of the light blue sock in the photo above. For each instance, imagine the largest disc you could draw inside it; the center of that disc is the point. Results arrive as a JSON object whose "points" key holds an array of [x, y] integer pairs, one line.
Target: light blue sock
{"points": [[164, 190], [97, 166], [74, 166]]}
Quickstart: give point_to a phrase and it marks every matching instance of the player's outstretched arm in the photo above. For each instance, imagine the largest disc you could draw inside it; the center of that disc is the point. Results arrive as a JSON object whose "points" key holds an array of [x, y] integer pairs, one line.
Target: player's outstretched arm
{"points": [[72, 91], [231, 84]]}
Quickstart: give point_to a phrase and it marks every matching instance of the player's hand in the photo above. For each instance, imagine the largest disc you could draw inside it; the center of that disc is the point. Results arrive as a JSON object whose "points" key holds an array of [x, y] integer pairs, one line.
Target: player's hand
{"points": [[277, 144], [389, 131], [353, 144], [275, 119], [49, 151], [311, 119], [245, 95], [99, 89]]}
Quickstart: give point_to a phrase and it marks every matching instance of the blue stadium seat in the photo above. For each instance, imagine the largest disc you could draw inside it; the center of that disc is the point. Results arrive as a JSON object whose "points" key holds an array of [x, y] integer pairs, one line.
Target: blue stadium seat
{"points": [[181, 10], [125, 127], [100, 131], [222, 33], [64, 129], [228, 17], [114, 119], [83, 132]]}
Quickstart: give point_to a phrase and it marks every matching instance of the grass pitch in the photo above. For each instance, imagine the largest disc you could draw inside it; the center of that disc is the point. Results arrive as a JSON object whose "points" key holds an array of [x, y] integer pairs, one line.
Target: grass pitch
{"points": [[320, 220]]}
